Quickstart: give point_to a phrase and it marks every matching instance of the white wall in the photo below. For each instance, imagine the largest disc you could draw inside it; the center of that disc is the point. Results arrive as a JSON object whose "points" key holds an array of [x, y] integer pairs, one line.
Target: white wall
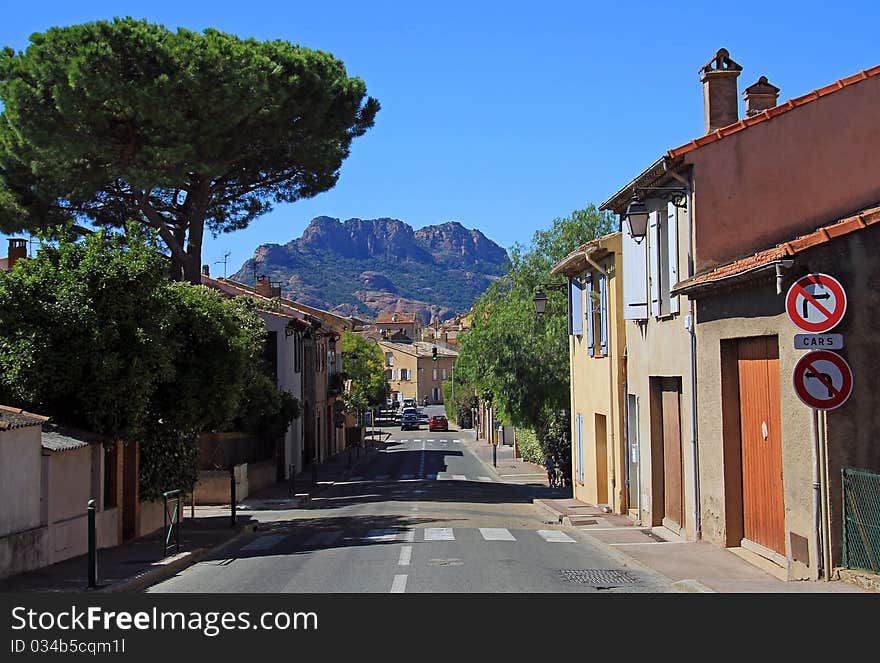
{"points": [[20, 479]]}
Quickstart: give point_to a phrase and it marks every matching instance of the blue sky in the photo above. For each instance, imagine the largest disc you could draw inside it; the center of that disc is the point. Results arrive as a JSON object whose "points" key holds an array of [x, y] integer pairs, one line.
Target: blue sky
{"points": [[504, 116]]}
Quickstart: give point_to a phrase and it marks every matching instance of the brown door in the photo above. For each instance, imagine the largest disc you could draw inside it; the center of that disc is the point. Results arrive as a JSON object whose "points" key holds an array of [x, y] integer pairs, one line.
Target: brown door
{"points": [[760, 431], [673, 487]]}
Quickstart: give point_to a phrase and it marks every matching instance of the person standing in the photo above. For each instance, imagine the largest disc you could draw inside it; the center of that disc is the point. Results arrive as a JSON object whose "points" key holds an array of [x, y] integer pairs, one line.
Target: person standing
{"points": [[551, 471]]}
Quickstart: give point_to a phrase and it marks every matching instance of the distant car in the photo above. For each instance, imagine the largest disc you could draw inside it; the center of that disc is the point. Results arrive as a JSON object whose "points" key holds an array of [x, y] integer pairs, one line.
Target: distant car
{"points": [[409, 420], [438, 422], [409, 402]]}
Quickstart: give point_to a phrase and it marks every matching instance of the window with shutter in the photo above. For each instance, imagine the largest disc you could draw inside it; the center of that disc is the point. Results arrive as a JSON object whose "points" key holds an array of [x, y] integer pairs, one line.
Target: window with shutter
{"points": [[591, 341], [575, 307], [653, 239], [672, 248], [603, 313], [580, 447], [635, 278]]}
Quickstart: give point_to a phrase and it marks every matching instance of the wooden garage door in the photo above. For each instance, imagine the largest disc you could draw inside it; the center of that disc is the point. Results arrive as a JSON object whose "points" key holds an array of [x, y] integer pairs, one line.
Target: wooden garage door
{"points": [[673, 486], [761, 436]]}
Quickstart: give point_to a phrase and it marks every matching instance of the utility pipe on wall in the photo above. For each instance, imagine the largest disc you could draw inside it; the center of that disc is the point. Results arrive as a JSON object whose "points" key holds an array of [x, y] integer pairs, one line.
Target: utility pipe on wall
{"points": [[818, 560]]}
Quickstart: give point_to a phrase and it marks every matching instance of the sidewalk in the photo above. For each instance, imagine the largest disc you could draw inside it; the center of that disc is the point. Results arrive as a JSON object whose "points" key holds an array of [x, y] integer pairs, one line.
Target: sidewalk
{"points": [[691, 566], [137, 564]]}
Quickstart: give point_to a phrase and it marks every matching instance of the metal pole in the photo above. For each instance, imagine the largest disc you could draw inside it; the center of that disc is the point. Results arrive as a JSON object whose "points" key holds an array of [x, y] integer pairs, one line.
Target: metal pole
{"points": [[232, 494], [495, 454], [93, 545], [292, 471]]}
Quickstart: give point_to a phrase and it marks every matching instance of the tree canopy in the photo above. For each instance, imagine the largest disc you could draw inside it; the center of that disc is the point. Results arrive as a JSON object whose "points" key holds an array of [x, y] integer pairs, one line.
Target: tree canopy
{"points": [[513, 356], [94, 334], [364, 364], [111, 121]]}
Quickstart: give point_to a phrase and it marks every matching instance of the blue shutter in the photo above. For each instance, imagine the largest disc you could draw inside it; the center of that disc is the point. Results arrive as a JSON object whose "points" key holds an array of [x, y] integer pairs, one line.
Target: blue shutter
{"points": [[575, 307], [654, 244], [603, 313], [635, 278], [591, 339]]}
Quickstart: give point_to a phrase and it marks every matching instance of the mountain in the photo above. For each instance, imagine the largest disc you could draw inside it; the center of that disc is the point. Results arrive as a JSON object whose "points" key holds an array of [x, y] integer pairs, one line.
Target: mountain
{"points": [[366, 266]]}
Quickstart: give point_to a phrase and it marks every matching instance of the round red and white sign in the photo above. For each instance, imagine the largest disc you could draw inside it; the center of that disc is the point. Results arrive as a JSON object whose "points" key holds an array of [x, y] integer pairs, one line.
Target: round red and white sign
{"points": [[823, 380], [816, 303]]}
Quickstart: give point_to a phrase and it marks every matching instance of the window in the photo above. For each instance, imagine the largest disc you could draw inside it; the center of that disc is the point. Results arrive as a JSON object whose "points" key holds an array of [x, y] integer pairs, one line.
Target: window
{"points": [[405, 374], [435, 374], [575, 307], [444, 373], [663, 236], [588, 314], [389, 373], [603, 313], [389, 359]]}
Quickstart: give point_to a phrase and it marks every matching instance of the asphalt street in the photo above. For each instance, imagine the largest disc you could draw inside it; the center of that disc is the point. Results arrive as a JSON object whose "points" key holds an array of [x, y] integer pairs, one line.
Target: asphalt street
{"points": [[425, 515]]}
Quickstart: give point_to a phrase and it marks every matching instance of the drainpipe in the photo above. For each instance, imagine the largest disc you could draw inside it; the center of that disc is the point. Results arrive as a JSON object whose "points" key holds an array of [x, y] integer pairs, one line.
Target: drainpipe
{"points": [[690, 325], [609, 357]]}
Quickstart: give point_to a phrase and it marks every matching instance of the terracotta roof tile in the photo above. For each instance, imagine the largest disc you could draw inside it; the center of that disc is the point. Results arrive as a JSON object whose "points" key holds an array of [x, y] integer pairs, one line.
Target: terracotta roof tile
{"points": [[718, 134], [821, 235]]}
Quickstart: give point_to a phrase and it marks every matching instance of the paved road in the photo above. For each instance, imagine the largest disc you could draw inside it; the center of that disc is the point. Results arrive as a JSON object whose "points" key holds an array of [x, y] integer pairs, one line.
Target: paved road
{"points": [[424, 516]]}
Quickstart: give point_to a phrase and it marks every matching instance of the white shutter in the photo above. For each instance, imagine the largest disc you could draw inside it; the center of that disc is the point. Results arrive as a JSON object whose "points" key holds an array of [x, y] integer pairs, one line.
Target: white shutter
{"points": [[672, 237], [635, 278], [603, 313], [575, 307], [654, 239], [591, 335]]}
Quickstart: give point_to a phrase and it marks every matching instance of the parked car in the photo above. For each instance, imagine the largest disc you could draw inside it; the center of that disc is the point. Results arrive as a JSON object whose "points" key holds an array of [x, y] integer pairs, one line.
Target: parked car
{"points": [[409, 420], [438, 422]]}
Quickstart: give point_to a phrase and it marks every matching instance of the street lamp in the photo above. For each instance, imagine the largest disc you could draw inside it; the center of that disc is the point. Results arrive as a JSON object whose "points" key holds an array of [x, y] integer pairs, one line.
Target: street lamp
{"points": [[636, 215], [540, 301]]}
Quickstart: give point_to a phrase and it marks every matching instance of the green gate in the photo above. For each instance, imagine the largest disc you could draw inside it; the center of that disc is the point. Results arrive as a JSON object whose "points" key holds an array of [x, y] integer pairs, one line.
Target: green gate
{"points": [[861, 519]]}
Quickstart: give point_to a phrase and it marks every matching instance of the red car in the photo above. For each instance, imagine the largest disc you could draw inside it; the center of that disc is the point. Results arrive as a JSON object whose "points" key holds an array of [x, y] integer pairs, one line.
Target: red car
{"points": [[438, 422]]}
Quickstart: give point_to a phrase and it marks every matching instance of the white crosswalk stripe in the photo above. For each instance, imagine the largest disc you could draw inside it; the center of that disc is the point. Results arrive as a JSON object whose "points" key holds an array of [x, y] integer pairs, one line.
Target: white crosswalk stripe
{"points": [[459, 477], [439, 534], [398, 586], [485, 478], [496, 534], [263, 543], [555, 536]]}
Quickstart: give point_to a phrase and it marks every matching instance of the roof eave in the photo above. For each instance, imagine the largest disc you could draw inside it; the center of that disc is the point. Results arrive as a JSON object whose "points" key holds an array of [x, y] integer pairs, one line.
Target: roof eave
{"points": [[618, 202]]}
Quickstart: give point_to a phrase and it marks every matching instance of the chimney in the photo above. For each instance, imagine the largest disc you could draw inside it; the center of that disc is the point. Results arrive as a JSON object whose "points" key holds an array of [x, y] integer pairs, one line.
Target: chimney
{"points": [[17, 250], [760, 96], [206, 270], [718, 77], [263, 286]]}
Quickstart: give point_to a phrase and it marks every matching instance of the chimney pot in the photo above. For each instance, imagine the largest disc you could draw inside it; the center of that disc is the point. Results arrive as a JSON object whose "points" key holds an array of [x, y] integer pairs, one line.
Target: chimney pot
{"points": [[718, 77], [760, 96], [17, 250]]}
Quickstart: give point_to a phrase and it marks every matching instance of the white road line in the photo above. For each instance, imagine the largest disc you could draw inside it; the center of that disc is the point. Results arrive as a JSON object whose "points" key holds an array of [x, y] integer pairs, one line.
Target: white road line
{"points": [[381, 535], [399, 585], [459, 477], [405, 555], [496, 534], [484, 478], [263, 543], [439, 534], [409, 535], [324, 538], [555, 536]]}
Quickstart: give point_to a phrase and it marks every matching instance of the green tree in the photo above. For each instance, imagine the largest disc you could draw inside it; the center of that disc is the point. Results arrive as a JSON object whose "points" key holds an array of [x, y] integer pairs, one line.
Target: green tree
{"points": [[93, 334], [517, 358], [109, 121], [364, 364]]}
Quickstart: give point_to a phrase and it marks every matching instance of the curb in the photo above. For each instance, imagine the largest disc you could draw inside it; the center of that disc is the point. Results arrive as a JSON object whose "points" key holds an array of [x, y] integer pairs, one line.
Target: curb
{"points": [[175, 565], [538, 502], [691, 586]]}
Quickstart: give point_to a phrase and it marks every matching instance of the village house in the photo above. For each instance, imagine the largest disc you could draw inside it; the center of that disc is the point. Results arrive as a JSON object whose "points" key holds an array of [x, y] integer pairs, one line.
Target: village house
{"points": [[413, 373], [780, 173]]}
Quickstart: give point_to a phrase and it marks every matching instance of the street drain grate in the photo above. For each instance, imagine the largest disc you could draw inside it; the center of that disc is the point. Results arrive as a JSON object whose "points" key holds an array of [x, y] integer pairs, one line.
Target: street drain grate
{"points": [[597, 577]]}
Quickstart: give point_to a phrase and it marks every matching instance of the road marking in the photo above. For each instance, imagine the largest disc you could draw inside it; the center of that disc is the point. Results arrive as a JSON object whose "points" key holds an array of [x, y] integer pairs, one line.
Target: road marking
{"points": [[399, 585], [405, 555], [263, 543], [324, 538], [459, 477], [485, 478], [409, 535], [381, 535], [496, 534], [555, 536], [439, 534]]}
